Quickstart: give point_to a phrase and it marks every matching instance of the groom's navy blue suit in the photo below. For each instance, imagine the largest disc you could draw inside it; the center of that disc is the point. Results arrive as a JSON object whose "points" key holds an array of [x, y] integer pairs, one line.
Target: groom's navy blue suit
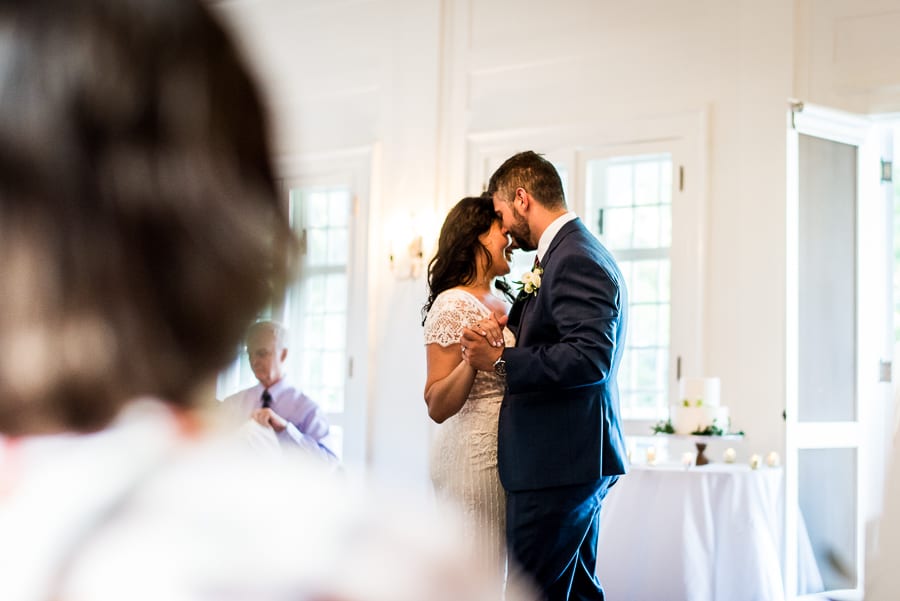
{"points": [[560, 443]]}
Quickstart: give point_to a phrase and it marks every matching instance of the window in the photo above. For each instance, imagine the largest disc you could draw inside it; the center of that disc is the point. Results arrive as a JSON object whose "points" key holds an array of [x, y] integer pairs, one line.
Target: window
{"points": [[628, 206], [316, 308]]}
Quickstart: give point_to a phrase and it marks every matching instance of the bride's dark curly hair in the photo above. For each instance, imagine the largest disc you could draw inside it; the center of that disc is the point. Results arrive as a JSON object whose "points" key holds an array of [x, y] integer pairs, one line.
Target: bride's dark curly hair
{"points": [[455, 262]]}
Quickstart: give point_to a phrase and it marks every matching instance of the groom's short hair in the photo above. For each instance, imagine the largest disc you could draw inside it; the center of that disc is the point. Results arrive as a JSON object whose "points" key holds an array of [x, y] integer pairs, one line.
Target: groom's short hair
{"points": [[535, 174]]}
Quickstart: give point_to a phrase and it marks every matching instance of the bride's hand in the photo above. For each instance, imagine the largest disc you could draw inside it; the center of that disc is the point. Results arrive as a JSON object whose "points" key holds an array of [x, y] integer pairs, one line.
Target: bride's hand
{"points": [[491, 329]]}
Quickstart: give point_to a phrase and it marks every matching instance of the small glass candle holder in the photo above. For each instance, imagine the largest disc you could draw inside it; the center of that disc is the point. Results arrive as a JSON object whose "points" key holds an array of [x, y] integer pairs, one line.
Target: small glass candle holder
{"points": [[651, 455], [773, 460], [730, 455], [755, 461], [687, 459]]}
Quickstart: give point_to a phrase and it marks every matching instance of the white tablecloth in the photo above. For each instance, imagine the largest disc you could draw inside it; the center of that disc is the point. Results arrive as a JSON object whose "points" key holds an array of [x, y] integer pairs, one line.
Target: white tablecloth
{"points": [[711, 533]]}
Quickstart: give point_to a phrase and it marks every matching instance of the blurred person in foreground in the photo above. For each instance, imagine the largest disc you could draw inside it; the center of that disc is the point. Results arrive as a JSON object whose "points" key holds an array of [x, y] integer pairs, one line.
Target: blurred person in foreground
{"points": [[283, 412], [140, 232]]}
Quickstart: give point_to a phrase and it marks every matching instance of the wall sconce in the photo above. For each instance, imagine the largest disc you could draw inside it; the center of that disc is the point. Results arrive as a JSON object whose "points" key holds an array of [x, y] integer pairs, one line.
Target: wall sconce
{"points": [[406, 248], [407, 262]]}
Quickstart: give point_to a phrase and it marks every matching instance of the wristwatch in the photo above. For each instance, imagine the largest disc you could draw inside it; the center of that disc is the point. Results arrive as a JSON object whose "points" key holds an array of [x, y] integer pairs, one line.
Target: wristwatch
{"points": [[500, 366]]}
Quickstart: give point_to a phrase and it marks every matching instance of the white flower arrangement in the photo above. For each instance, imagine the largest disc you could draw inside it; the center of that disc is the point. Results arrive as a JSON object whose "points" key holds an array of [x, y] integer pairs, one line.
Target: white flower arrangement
{"points": [[531, 281]]}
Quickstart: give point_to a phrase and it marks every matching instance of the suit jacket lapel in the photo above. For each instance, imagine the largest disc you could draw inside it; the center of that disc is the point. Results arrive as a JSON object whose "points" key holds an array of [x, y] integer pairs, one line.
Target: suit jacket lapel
{"points": [[517, 312]]}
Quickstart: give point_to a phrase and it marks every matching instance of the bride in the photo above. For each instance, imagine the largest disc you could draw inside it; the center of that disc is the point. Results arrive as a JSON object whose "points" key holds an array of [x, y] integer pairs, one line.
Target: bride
{"points": [[473, 249]]}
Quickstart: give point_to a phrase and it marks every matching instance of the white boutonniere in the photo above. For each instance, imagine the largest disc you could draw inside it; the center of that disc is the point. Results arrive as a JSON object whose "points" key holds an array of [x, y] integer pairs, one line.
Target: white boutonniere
{"points": [[531, 281]]}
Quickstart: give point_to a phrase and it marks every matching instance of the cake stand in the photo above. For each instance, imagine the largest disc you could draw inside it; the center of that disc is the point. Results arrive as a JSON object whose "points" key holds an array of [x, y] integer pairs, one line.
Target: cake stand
{"points": [[700, 441]]}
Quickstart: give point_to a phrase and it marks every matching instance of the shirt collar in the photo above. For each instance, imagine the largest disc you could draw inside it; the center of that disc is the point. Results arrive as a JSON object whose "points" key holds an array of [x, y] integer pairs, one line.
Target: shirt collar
{"points": [[551, 231], [274, 388]]}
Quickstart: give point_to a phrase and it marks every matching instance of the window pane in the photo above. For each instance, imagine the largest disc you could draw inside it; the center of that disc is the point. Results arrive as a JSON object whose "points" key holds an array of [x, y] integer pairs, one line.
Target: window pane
{"points": [[646, 227], [663, 324], [645, 399], [665, 228], [665, 286], [628, 206], [644, 288], [316, 246], [646, 183], [665, 182], [618, 185], [313, 330], [643, 324], [337, 247], [314, 293], [312, 371], [333, 332], [646, 369], [336, 298], [617, 228], [317, 214], [339, 208]]}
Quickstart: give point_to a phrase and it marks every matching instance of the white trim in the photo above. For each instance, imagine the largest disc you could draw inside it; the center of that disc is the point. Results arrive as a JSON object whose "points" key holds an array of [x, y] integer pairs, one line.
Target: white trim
{"points": [[832, 124]]}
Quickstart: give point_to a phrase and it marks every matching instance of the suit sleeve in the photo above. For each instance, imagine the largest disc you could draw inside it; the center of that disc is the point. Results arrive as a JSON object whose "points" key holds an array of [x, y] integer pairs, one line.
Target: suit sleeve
{"points": [[582, 302]]}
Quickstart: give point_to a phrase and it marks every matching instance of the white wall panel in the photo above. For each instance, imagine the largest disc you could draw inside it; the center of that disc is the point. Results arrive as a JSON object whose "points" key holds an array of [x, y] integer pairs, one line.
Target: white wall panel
{"points": [[850, 54]]}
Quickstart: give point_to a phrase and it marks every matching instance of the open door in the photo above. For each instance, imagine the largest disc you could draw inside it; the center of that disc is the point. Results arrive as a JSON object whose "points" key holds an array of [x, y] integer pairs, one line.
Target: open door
{"points": [[836, 322]]}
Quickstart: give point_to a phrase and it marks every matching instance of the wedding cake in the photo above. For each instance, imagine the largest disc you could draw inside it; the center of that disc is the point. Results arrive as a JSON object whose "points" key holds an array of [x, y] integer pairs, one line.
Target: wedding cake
{"points": [[698, 406]]}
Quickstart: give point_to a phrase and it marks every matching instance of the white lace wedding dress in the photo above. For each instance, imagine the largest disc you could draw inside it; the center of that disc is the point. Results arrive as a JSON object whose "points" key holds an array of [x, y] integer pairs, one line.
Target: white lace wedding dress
{"points": [[464, 451]]}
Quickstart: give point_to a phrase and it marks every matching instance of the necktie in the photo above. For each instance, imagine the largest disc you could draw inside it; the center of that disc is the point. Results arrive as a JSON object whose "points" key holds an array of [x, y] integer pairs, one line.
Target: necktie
{"points": [[537, 262], [266, 399]]}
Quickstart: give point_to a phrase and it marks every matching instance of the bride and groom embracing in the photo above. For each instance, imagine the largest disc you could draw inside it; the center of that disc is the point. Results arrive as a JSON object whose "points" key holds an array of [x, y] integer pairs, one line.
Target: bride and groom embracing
{"points": [[531, 438]]}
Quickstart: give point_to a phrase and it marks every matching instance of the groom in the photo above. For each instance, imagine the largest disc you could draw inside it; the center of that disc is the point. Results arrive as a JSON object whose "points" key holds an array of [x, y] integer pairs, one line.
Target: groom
{"points": [[560, 445]]}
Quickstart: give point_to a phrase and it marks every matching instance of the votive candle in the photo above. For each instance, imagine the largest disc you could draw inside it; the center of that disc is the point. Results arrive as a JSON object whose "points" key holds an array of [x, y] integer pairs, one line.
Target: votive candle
{"points": [[772, 459], [730, 455], [651, 455], [754, 461]]}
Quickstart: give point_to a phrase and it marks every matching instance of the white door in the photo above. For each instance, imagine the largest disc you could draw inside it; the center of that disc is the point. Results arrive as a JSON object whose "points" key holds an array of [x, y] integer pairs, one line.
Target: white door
{"points": [[835, 324]]}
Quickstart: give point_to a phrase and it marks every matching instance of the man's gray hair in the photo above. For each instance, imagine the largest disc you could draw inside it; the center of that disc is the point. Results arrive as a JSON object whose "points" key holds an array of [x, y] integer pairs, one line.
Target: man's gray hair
{"points": [[269, 326]]}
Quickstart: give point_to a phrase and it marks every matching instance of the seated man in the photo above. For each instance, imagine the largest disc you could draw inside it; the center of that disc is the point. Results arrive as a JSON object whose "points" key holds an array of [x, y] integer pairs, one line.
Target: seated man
{"points": [[275, 403]]}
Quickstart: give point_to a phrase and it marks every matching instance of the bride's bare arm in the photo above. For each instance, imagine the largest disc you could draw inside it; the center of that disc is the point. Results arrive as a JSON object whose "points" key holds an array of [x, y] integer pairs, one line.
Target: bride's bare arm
{"points": [[448, 382]]}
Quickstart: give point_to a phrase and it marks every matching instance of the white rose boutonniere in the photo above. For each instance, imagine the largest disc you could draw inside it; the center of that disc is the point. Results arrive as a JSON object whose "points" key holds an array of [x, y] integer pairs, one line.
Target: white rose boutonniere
{"points": [[531, 281]]}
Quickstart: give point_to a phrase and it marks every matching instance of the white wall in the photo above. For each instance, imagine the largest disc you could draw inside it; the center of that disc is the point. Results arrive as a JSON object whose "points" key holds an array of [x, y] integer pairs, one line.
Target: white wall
{"points": [[418, 78]]}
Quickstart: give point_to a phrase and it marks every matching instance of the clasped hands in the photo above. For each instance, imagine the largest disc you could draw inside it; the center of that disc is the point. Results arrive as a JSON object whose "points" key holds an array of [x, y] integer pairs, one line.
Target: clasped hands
{"points": [[482, 342], [268, 418]]}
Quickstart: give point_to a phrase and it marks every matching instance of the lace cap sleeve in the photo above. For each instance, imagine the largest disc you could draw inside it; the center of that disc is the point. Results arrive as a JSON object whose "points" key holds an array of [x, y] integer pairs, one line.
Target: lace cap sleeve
{"points": [[451, 312]]}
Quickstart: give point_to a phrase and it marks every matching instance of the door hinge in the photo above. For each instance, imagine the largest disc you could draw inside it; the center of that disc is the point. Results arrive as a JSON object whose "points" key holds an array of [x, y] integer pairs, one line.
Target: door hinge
{"points": [[887, 171], [303, 241], [885, 369], [681, 178], [350, 367], [796, 107]]}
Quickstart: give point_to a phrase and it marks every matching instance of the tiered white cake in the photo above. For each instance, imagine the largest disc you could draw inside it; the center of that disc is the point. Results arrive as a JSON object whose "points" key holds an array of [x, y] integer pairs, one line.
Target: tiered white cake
{"points": [[698, 406]]}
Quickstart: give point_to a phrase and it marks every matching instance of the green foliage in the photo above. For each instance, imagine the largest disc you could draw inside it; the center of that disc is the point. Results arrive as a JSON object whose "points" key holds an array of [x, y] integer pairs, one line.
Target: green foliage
{"points": [[663, 427], [710, 430]]}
